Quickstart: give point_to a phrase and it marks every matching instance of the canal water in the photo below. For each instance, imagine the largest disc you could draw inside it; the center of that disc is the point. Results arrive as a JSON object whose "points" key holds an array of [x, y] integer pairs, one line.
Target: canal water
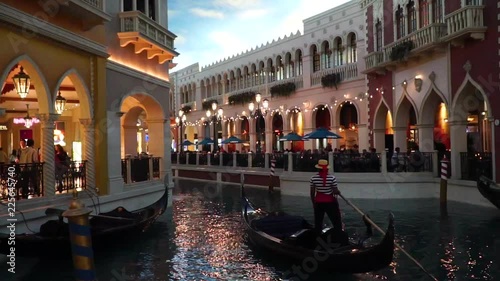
{"points": [[202, 238]]}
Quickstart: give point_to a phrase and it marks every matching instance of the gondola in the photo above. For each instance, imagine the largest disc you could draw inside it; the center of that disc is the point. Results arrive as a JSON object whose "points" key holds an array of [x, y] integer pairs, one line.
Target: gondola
{"points": [[53, 239], [293, 237], [489, 190]]}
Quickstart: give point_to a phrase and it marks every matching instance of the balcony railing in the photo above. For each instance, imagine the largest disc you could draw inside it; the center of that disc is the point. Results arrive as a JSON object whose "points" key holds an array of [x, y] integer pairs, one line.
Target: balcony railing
{"points": [[137, 169], [98, 4], [26, 180], [466, 21], [374, 59], [347, 72]]}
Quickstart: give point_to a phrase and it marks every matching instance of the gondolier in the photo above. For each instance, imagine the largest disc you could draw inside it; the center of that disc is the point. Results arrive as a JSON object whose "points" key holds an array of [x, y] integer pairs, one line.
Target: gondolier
{"points": [[323, 191]]}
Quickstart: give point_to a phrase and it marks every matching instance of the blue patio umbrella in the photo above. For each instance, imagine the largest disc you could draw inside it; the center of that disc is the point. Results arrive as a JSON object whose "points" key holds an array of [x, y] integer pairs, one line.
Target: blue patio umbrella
{"points": [[322, 133], [187, 142], [232, 139], [291, 137], [206, 141]]}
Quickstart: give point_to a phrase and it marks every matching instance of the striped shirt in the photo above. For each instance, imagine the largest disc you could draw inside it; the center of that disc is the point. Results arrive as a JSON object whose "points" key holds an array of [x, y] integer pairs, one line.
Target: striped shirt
{"points": [[324, 193]]}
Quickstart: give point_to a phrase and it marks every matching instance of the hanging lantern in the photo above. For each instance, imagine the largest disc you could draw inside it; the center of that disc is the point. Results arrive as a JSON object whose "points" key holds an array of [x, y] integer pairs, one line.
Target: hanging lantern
{"points": [[22, 83], [28, 121], [60, 103]]}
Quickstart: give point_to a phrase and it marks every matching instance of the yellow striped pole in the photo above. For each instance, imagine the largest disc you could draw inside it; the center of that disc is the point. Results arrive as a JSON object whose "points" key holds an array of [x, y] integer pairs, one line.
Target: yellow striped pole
{"points": [[81, 240]]}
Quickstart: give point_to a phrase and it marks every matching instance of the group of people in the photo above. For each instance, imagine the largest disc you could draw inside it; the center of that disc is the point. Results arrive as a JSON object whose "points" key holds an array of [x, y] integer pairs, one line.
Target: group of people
{"points": [[28, 157]]}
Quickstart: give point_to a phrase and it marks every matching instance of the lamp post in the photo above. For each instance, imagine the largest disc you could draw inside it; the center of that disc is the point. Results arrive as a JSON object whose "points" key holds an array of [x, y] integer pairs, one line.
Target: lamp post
{"points": [[256, 112], [216, 115], [180, 120]]}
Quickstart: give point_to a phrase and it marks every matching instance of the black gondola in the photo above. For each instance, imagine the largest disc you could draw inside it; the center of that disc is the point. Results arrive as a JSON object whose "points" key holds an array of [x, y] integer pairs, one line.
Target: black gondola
{"points": [[293, 237], [53, 238], [489, 190]]}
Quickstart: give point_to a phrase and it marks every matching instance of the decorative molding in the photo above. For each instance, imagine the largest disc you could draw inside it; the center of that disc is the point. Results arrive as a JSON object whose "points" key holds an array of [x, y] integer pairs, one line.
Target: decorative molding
{"points": [[136, 73], [432, 77], [29, 23], [467, 66]]}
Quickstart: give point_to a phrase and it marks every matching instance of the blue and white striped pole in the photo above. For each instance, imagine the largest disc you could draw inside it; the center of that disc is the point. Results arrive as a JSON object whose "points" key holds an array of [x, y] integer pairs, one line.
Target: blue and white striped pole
{"points": [[81, 240]]}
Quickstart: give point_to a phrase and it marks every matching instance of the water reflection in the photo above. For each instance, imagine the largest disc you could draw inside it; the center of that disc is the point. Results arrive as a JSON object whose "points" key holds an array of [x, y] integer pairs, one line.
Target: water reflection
{"points": [[202, 238]]}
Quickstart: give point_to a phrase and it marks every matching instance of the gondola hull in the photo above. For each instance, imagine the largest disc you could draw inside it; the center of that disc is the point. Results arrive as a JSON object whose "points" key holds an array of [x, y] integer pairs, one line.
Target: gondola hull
{"points": [[330, 256], [53, 239], [489, 190]]}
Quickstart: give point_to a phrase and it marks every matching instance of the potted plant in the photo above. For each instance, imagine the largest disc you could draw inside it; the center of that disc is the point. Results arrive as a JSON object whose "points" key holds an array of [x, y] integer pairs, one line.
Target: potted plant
{"points": [[401, 51], [242, 98], [186, 109], [330, 80], [282, 90]]}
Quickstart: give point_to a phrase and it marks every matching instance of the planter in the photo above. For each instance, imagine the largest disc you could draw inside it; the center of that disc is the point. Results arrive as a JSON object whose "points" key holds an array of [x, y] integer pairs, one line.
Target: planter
{"points": [[242, 98], [401, 51], [331, 80], [282, 90]]}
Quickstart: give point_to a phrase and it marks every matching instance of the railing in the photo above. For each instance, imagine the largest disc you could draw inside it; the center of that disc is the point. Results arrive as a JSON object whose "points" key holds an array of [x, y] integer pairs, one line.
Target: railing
{"points": [[136, 21], [374, 59], [472, 165], [138, 169], [26, 179], [468, 17], [74, 176], [420, 38], [98, 4], [347, 72], [413, 162]]}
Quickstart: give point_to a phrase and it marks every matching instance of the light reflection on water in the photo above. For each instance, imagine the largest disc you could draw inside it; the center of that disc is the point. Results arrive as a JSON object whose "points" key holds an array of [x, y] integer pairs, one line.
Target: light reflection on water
{"points": [[203, 239]]}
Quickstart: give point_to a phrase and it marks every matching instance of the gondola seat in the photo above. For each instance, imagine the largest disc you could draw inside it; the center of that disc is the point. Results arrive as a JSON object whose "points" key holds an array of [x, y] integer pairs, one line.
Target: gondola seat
{"points": [[281, 226]]}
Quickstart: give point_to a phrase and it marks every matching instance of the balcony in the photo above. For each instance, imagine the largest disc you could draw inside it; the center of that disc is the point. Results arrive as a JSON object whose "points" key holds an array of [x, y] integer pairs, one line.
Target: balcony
{"points": [[467, 22], [146, 35], [417, 44], [89, 12], [346, 72]]}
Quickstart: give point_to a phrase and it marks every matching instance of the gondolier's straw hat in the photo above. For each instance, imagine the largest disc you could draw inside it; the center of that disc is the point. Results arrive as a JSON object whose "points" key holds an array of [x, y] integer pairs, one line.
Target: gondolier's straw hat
{"points": [[322, 163]]}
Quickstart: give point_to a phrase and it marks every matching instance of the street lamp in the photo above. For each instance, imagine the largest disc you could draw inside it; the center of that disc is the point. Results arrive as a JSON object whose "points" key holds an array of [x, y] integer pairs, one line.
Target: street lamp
{"points": [[180, 120], [258, 112], [216, 115]]}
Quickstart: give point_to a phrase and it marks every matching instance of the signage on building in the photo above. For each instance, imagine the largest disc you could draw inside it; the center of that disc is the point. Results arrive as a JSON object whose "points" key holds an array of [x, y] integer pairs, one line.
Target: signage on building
{"points": [[3, 128]]}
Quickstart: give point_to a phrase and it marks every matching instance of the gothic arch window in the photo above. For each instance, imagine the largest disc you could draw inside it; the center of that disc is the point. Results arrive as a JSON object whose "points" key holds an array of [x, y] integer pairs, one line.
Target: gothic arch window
{"points": [[280, 69], [378, 36], [400, 23], [290, 71], [412, 17], [298, 59], [423, 8], [437, 8], [339, 52]]}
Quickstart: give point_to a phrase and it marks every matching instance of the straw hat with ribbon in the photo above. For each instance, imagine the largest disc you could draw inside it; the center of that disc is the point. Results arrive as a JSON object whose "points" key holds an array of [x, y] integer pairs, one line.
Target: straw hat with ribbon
{"points": [[322, 164]]}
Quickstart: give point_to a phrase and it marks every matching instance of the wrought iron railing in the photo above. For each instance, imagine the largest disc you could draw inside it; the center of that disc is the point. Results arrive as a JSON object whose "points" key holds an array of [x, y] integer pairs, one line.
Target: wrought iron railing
{"points": [[21, 180], [69, 178], [472, 165]]}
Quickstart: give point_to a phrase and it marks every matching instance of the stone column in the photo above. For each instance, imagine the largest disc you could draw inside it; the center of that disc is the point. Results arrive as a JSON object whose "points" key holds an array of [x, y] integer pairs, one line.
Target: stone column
{"points": [[253, 136], [426, 137], [269, 141], [48, 154], [363, 137], [379, 140], [129, 140], [115, 178], [458, 138], [88, 154], [400, 138], [159, 144]]}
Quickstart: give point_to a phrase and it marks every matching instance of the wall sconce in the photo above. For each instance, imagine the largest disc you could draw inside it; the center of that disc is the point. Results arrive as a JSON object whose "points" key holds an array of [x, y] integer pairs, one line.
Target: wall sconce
{"points": [[418, 83]]}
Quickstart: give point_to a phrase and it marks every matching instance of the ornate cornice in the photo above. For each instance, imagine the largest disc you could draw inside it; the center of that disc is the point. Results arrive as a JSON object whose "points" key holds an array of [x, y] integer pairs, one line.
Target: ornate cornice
{"points": [[32, 24], [136, 73]]}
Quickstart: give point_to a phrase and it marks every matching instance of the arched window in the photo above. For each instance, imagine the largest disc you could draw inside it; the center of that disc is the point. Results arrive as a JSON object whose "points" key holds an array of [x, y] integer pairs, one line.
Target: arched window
{"points": [[339, 52], [299, 62], [290, 72], [412, 17], [316, 58], [400, 23], [280, 69], [378, 36], [352, 48], [326, 55]]}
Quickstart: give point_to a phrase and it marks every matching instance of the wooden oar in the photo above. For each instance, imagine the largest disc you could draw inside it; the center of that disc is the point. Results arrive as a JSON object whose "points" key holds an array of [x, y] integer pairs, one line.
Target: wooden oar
{"points": [[383, 232]]}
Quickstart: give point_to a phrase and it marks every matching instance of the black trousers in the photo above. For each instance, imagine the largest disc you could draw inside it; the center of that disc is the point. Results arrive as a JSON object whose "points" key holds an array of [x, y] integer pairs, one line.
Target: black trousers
{"points": [[332, 210]]}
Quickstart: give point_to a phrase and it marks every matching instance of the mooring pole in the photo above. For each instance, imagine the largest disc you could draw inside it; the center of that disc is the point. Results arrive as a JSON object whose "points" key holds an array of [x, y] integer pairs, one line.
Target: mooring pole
{"points": [[271, 175], [444, 181], [81, 240]]}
